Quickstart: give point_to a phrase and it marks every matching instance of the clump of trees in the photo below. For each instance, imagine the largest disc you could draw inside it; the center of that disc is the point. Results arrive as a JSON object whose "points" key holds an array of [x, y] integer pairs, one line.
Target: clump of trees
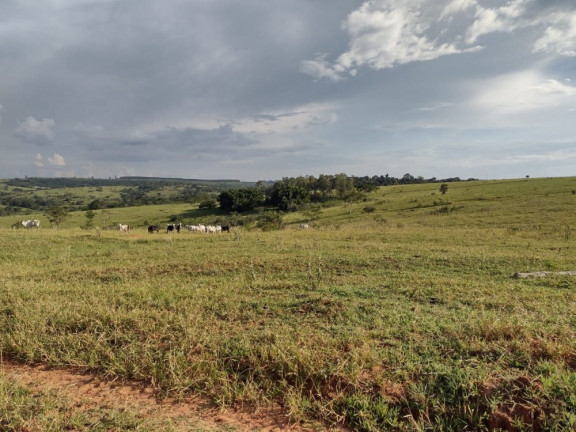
{"points": [[293, 193], [240, 200], [296, 193]]}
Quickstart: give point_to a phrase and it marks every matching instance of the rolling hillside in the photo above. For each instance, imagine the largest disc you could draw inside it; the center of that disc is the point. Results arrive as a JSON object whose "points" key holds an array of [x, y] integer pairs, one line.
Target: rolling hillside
{"points": [[399, 311]]}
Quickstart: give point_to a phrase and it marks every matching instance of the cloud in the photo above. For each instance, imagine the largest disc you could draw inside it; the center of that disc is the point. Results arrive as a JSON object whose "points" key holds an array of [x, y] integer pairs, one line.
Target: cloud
{"points": [[560, 36], [457, 6], [36, 131], [384, 34], [432, 107], [301, 119], [56, 160], [387, 33], [500, 19], [320, 68], [522, 92]]}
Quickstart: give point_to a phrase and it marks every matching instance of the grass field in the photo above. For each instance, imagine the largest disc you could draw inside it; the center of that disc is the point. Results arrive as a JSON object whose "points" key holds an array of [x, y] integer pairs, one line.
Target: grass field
{"points": [[395, 313]]}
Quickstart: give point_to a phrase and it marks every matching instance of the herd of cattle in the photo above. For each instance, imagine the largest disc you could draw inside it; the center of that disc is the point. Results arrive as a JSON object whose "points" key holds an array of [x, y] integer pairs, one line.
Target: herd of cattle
{"points": [[211, 229]]}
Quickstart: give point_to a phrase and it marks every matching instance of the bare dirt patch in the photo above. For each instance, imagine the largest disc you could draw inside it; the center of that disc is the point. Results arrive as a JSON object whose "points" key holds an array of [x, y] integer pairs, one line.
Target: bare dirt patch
{"points": [[86, 391]]}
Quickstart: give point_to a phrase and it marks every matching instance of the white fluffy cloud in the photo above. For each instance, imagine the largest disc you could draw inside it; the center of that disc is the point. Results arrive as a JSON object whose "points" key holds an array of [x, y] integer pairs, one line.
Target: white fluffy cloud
{"points": [[55, 160], [387, 33], [36, 131], [490, 20], [456, 6], [560, 36], [523, 92]]}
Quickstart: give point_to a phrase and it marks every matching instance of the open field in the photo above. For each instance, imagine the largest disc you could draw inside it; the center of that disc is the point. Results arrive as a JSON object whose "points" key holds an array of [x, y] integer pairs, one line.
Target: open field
{"points": [[395, 313]]}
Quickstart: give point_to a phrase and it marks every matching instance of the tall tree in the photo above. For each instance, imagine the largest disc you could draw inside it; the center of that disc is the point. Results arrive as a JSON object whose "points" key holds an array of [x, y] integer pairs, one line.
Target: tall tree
{"points": [[56, 214]]}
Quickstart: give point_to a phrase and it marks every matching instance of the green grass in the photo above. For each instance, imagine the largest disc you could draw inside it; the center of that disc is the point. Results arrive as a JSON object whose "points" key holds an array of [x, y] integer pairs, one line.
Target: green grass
{"points": [[399, 319]]}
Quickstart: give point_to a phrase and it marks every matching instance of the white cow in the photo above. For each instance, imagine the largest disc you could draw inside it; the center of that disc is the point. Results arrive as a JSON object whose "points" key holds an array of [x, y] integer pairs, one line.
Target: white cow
{"points": [[31, 223], [124, 227], [211, 229], [304, 226], [196, 228]]}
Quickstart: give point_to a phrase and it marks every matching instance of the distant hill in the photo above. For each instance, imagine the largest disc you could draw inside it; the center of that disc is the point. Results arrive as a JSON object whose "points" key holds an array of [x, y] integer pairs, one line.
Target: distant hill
{"points": [[35, 194], [68, 182]]}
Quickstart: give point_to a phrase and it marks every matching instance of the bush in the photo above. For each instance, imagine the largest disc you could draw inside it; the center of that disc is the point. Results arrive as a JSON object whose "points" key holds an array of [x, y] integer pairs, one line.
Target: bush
{"points": [[269, 221], [208, 204]]}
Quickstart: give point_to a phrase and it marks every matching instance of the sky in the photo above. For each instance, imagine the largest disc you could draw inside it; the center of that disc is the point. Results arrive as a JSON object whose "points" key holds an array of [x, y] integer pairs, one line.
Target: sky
{"points": [[266, 89]]}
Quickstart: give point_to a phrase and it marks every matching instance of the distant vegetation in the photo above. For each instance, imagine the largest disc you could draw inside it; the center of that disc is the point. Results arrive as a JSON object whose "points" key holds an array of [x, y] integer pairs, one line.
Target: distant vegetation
{"points": [[34, 194]]}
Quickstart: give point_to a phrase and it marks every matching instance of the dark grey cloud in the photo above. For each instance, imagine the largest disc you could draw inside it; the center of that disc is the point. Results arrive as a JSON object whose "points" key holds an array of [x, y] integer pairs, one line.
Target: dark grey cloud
{"points": [[245, 88]]}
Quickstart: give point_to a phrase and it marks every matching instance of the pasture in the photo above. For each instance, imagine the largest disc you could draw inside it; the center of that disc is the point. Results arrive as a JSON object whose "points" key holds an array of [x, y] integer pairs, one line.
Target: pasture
{"points": [[399, 312]]}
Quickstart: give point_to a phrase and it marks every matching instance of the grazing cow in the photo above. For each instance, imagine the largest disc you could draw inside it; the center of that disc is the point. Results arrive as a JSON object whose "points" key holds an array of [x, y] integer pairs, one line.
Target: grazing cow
{"points": [[153, 228], [211, 229], [179, 228], [170, 228], [31, 224], [201, 228], [304, 226], [226, 228], [124, 227]]}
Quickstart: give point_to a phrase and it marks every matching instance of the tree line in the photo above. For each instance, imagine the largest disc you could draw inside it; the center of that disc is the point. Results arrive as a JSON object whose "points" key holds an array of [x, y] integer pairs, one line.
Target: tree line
{"points": [[292, 193], [287, 194]]}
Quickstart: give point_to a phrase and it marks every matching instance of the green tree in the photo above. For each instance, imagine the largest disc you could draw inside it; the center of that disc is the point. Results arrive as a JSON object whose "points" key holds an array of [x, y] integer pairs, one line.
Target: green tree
{"points": [[287, 194], [208, 204], [344, 185], [324, 186], [56, 214], [241, 199], [90, 214], [313, 212], [96, 205]]}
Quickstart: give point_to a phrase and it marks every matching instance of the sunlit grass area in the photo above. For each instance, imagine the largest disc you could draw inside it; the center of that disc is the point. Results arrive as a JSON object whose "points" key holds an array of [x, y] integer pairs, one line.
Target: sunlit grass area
{"points": [[404, 316]]}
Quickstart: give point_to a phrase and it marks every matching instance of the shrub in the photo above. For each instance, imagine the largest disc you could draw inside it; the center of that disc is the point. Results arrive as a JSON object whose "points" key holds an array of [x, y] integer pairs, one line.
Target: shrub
{"points": [[208, 204], [269, 221]]}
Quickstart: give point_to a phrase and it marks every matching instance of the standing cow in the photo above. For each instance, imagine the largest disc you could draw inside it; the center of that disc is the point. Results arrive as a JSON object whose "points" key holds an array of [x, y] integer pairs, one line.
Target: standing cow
{"points": [[31, 224]]}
